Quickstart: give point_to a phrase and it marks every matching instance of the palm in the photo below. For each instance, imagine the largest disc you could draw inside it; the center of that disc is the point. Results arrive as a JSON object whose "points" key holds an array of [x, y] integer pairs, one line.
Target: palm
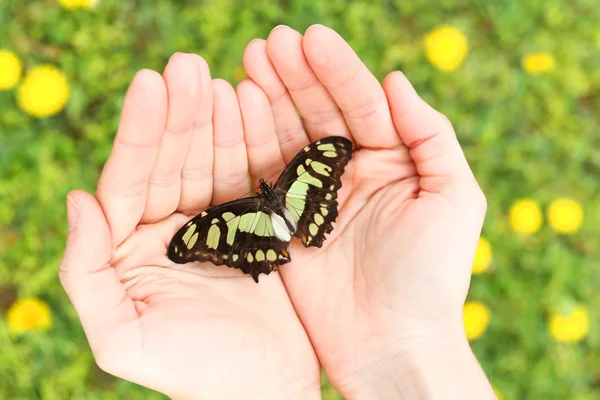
{"points": [[375, 250], [204, 328]]}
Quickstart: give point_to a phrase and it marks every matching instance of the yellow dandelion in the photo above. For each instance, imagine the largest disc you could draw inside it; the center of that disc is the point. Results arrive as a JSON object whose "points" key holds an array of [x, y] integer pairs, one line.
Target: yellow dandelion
{"points": [[498, 393], [483, 256], [73, 4], [239, 73], [446, 48], [538, 63], [476, 317], [570, 326], [565, 215], [525, 216], [43, 92], [10, 69], [29, 314]]}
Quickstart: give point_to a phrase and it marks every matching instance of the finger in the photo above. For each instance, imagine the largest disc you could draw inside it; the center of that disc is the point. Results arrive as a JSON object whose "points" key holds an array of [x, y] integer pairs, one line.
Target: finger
{"points": [[431, 140], [123, 185], [264, 155], [197, 173], [355, 90], [89, 280], [288, 125], [320, 113], [182, 77], [230, 177]]}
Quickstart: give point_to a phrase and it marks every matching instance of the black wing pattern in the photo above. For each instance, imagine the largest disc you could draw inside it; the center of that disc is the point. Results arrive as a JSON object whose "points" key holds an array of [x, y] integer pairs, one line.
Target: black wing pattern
{"points": [[238, 234], [309, 186]]}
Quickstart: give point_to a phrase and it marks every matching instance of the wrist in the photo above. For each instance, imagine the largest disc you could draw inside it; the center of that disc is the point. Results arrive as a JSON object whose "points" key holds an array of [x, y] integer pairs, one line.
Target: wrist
{"points": [[430, 368], [290, 390], [293, 390]]}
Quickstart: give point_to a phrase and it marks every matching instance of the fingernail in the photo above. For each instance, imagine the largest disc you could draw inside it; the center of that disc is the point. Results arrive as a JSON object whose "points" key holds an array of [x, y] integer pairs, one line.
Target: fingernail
{"points": [[72, 212]]}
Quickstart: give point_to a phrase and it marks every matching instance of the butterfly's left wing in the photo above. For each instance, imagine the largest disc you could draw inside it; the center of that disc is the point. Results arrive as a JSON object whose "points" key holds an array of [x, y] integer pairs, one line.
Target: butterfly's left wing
{"points": [[309, 186], [237, 234]]}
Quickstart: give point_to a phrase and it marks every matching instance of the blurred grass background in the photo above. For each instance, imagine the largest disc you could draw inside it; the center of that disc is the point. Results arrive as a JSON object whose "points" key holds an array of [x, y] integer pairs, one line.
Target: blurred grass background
{"points": [[526, 135]]}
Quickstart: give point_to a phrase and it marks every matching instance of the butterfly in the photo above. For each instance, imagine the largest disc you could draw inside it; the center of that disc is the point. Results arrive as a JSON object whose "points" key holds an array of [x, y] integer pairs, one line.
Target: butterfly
{"points": [[253, 234]]}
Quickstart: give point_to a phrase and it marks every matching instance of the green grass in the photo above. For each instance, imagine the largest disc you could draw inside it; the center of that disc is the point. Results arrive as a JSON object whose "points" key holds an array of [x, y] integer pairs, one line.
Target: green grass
{"points": [[524, 136]]}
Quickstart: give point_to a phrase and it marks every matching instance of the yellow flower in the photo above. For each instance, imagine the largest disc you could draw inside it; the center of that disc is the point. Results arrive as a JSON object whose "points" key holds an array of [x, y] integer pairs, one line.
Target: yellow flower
{"points": [[476, 317], [498, 393], [538, 63], [239, 73], [525, 216], [570, 326], [10, 69], [446, 48], [565, 215], [483, 256], [44, 91], [72, 4], [28, 314]]}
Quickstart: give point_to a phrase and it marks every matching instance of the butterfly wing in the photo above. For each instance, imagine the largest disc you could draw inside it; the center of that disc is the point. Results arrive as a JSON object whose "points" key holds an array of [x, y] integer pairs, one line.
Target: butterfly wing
{"points": [[237, 234], [309, 186]]}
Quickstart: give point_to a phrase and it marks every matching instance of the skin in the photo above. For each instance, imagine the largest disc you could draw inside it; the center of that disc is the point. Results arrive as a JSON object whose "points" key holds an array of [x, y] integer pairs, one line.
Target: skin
{"points": [[380, 304]]}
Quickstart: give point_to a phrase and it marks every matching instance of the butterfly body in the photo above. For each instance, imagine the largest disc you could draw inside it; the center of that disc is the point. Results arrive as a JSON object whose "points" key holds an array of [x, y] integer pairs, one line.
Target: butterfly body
{"points": [[254, 233], [274, 206]]}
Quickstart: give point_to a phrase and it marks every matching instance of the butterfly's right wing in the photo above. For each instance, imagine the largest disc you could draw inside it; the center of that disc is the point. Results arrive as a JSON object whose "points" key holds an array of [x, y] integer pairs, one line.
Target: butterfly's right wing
{"points": [[237, 234], [309, 185]]}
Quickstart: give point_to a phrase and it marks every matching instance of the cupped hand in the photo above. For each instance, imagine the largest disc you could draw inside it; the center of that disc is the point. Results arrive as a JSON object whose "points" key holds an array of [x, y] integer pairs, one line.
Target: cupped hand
{"points": [[190, 331], [384, 296]]}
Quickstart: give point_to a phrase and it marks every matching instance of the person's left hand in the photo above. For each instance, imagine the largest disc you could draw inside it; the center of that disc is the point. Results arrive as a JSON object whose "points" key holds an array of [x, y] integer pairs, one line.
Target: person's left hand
{"points": [[189, 331]]}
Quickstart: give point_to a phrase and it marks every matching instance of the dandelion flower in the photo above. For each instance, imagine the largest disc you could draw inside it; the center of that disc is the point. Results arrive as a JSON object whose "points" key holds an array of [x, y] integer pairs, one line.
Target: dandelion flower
{"points": [[565, 215], [43, 92], [570, 326], [476, 317], [483, 256], [446, 48], [239, 73], [10, 69], [538, 63], [73, 4], [498, 393], [29, 314], [525, 216]]}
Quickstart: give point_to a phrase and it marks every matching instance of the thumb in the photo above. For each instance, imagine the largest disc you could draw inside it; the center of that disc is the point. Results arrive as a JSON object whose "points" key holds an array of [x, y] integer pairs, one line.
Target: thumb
{"points": [[87, 276], [433, 146]]}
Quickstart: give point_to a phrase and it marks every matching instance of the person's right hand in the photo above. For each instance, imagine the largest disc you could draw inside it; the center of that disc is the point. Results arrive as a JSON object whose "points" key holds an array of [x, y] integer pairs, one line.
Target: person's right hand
{"points": [[382, 300], [189, 331]]}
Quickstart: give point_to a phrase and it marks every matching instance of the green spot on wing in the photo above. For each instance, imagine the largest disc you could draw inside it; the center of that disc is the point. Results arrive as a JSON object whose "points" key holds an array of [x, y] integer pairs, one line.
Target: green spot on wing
{"points": [[304, 176], [212, 239], [327, 146], [193, 240], [321, 168], [186, 237]]}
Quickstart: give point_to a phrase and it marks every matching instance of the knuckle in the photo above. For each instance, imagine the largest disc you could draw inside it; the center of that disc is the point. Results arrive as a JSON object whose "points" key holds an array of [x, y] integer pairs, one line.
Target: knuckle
{"points": [[258, 144], [229, 143], [445, 122], [479, 198], [233, 179], [179, 128], [197, 174], [131, 189], [320, 117], [164, 181], [366, 108], [289, 134]]}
